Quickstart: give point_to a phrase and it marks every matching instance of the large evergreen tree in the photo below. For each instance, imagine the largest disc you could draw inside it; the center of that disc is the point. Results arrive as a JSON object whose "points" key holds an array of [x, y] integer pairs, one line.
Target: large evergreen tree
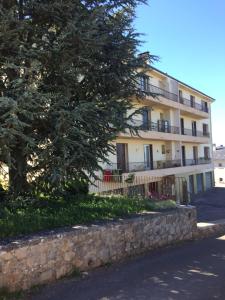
{"points": [[67, 70]]}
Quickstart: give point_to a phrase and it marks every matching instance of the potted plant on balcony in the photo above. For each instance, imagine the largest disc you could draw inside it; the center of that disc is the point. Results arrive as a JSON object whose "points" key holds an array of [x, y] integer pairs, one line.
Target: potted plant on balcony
{"points": [[130, 178]]}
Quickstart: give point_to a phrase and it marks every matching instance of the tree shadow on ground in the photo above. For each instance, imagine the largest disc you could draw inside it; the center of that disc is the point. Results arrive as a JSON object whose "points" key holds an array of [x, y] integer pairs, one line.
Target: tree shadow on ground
{"points": [[192, 271]]}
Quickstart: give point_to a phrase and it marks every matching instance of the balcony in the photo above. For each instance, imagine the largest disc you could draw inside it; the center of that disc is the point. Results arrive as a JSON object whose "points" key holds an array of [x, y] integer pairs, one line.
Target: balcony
{"points": [[157, 165], [163, 126], [152, 89], [198, 161], [160, 126], [190, 132], [193, 104], [144, 166]]}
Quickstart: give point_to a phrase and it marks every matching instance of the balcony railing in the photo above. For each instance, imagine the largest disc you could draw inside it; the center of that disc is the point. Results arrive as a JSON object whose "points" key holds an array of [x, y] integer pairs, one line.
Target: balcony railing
{"points": [[149, 88], [193, 104], [156, 165], [198, 161], [144, 166], [157, 91], [159, 127], [190, 132], [163, 126]]}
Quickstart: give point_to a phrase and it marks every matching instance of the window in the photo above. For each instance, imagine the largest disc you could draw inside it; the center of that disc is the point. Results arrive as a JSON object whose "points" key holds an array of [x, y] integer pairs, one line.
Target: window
{"points": [[207, 153], [194, 128], [121, 116], [221, 179], [192, 99], [145, 119], [144, 83], [180, 96], [182, 125], [205, 106], [205, 129], [163, 149]]}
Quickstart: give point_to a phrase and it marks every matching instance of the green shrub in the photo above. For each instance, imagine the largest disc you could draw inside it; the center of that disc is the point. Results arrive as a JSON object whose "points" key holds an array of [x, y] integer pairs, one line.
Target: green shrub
{"points": [[160, 205], [76, 187], [27, 215]]}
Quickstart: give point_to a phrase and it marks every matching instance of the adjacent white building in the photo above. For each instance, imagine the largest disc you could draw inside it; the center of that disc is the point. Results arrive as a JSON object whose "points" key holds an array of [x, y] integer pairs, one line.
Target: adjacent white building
{"points": [[219, 166]]}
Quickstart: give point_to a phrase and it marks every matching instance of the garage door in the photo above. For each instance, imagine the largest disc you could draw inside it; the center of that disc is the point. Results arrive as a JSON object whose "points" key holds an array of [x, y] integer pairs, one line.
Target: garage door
{"points": [[208, 180], [191, 184], [199, 178]]}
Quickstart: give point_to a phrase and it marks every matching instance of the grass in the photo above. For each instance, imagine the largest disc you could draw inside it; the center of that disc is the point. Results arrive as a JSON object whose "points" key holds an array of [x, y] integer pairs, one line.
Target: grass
{"points": [[24, 216]]}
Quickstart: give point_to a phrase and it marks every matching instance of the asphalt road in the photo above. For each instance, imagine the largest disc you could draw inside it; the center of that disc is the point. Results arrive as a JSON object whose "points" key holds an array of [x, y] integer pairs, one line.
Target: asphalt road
{"points": [[192, 271], [211, 205]]}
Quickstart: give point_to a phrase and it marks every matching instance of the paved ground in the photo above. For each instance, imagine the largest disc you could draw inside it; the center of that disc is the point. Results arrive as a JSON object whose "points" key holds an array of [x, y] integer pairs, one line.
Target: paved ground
{"points": [[191, 271], [211, 205]]}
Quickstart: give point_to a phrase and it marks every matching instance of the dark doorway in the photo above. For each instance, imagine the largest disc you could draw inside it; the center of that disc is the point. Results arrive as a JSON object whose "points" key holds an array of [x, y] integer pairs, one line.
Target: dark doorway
{"points": [[122, 161], [192, 100], [145, 119], [195, 154], [183, 155], [194, 128], [148, 157], [182, 125]]}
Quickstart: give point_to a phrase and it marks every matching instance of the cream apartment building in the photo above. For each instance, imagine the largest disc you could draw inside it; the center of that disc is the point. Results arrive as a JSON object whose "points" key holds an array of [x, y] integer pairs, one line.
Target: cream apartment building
{"points": [[174, 139]]}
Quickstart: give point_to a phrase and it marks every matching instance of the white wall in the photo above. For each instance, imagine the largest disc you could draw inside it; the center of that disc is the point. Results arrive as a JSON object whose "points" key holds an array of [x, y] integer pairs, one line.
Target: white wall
{"points": [[219, 173]]}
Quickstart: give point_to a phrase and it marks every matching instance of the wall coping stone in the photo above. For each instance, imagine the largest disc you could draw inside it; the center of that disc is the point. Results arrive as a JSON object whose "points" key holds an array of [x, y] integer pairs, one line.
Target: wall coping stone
{"points": [[10, 244]]}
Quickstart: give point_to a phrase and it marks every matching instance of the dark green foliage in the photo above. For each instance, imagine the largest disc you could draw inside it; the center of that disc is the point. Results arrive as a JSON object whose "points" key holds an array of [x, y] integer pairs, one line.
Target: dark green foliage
{"points": [[67, 70], [23, 218], [161, 205], [2, 193], [76, 187]]}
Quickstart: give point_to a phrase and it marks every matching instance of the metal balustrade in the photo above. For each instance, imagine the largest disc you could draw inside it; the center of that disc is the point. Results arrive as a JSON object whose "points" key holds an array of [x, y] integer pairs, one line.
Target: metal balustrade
{"points": [[191, 132], [193, 104], [197, 161], [159, 127], [143, 166], [157, 91], [118, 169], [162, 126]]}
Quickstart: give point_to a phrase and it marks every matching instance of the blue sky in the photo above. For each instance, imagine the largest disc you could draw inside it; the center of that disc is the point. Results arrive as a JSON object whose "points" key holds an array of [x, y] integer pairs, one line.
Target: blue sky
{"points": [[189, 38]]}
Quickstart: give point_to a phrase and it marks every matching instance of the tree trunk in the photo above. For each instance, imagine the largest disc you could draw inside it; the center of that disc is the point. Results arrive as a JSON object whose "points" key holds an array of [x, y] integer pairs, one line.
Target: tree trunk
{"points": [[18, 172]]}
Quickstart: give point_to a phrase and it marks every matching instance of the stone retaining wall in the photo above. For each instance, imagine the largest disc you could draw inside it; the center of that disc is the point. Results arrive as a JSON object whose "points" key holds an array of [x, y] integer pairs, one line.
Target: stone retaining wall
{"points": [[210, 229], [44, 258]]}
